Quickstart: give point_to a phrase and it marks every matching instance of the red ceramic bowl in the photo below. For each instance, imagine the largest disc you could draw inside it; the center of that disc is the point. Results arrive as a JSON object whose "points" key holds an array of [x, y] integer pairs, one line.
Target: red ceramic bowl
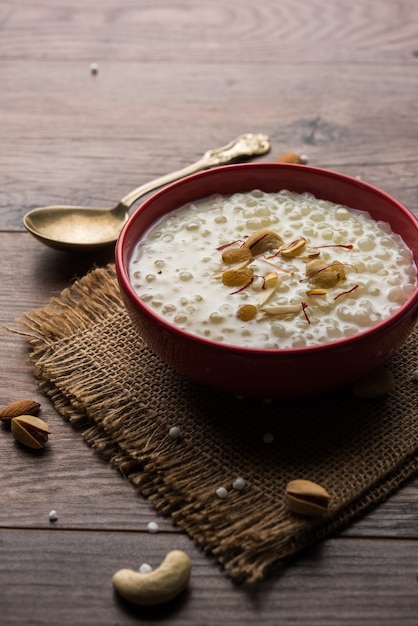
{"points": [[269, 373]]}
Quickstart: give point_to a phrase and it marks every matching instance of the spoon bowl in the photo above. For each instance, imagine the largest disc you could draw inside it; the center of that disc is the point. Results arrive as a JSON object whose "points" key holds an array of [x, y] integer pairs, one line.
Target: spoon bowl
{"points": [[77, 228]]}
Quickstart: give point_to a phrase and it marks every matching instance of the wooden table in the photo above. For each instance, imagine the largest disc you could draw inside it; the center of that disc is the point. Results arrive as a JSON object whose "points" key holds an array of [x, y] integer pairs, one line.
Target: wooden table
{"points": [[337, 81]]}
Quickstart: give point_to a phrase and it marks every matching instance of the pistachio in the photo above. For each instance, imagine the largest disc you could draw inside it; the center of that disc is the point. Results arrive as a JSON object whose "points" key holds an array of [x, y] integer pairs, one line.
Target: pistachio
{"points": [[307, 498], [20, 407], [31, 431], [262, 240], [293, 248]]}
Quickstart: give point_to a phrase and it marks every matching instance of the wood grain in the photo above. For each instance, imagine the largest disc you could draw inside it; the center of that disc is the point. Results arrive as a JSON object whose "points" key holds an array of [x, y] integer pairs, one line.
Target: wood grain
{"points": [[65, 578], [240, 30], [56, 151]]}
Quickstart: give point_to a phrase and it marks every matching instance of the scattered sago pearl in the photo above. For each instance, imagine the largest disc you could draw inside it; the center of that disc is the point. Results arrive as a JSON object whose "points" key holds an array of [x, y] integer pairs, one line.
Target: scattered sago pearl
{"points": [[153, 527], [145, 568], [53, 516], [174, 432], [268, 438], [221, 492], [239, 483]]}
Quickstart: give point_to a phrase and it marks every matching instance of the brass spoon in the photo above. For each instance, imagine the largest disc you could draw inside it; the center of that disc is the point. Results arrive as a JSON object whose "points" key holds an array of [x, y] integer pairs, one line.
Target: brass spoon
{"points": [[86, 228]]}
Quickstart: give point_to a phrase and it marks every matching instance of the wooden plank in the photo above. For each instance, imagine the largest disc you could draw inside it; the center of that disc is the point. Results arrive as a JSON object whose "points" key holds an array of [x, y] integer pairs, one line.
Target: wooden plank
{"points": [[67, 138], [64, 578], [264, 32]]}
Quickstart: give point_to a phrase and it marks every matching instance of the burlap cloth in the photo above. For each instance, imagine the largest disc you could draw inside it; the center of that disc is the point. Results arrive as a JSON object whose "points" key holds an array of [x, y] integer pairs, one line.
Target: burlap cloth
{"points": [[101, 377]]}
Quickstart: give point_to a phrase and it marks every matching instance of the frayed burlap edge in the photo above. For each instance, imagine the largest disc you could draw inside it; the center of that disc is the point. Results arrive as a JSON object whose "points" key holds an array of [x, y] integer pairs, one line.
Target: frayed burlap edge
{"points": [[97, 294]]}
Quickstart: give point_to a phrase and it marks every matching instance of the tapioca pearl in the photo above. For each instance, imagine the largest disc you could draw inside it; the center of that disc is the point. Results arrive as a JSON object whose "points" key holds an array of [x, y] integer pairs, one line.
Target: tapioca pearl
{"points": [[288, 234], [342, 214], [299, 341], [262, 211], [349, 331], [373, 289], [216, 317], [168, 309], [206, 233], [383, 254], [226, 309], [191, 226], [150, 278], [185, 275], [251, 202], [317, 217], [327, 234], [384, 226], [375, 266], [308, 231], [280, 330], [181, 318], [396, 294], [271, 345], [409, 289], [157, 303], [386, 242], [257, 223], [220, 219], [167, 238], [366, 244], [406, 256], [159, 264], [394, 280], [334, 333]]}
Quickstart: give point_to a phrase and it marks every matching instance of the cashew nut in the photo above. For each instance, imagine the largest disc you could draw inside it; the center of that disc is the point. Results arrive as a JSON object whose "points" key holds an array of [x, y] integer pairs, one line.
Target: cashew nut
{"points": [[159, 585]]}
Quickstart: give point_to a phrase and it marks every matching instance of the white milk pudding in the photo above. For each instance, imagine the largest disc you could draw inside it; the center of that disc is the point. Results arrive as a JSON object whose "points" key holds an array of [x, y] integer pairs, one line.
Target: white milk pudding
{"points": [[272, 270]]}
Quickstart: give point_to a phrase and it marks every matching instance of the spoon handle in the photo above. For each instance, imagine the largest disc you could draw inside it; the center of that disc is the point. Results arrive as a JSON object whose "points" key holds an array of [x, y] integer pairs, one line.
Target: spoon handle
{"points": [[243, 146]]}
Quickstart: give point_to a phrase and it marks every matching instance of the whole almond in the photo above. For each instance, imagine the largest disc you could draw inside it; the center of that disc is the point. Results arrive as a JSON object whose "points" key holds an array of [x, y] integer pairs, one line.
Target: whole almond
{"points": [[20, 407], [290, 157]]}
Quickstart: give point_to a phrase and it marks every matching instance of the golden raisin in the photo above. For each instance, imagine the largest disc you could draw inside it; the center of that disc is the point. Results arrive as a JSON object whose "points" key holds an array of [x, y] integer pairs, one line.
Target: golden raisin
{"points": [[237, 278], [236, 255], [247, 312]]}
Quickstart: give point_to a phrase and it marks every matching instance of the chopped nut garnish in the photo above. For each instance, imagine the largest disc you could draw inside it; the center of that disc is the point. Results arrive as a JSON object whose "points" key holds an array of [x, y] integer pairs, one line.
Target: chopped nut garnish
{"points": [[263, 240], [325, 274], [317, 292], [293, 248], [282, 309]]}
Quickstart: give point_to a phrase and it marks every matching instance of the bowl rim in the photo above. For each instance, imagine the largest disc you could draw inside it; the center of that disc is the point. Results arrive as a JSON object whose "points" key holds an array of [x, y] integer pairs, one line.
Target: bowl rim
{"points": [[122, 269]]}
